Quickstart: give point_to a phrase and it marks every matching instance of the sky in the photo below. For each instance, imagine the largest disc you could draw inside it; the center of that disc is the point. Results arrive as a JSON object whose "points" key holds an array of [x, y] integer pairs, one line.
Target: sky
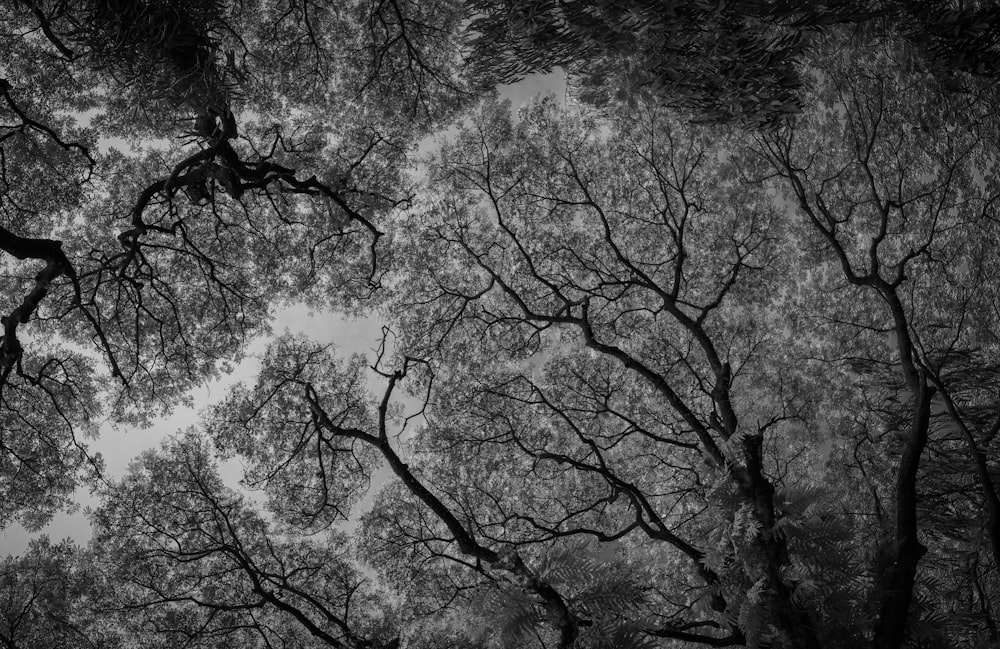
{"points": [[119, 446]]}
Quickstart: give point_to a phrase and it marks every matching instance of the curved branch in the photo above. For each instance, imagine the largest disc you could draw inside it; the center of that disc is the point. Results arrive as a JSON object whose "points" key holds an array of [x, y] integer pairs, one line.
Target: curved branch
{"points": [[507, 559]]}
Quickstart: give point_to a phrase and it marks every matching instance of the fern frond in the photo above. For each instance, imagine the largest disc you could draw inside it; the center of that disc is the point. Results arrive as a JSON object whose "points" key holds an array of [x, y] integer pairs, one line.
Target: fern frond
{"points": [[569, 563]]}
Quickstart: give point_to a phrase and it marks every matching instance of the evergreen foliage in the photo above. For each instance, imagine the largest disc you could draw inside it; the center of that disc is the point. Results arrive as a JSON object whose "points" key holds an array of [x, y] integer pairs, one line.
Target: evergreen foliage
{"points": [[728, 61]]}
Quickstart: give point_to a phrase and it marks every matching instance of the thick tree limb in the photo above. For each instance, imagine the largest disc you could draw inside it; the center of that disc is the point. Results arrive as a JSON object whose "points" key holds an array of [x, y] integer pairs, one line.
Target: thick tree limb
{"points": [[56, 265], [45, 24], [564, 620]]}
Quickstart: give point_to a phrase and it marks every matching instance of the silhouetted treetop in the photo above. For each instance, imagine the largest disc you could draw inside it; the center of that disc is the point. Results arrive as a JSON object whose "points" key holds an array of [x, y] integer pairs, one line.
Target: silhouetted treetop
{"points": [[729, 61]]}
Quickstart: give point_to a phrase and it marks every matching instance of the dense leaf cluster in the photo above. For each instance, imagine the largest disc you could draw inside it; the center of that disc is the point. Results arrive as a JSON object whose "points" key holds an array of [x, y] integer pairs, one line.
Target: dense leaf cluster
{"points": [[718, 61]]}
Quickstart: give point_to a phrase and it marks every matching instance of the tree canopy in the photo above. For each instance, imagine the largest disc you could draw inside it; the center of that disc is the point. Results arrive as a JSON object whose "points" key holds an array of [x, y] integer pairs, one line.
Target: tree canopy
{"points": [[725, 60], [704, 354]]}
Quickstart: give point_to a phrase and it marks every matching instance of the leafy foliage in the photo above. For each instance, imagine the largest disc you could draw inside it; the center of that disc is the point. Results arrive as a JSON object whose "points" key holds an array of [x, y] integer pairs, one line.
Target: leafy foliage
{"points": [[716, 61], [644, 381]]}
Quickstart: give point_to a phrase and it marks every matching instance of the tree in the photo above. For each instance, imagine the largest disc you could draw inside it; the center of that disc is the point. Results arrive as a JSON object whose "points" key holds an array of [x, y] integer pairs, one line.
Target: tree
{"points": [[536, 279], [716, 61], [611, 323], [146, 269], [644, 383], [45, 599], [895, 235], [194, 563], [621, 284]]}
